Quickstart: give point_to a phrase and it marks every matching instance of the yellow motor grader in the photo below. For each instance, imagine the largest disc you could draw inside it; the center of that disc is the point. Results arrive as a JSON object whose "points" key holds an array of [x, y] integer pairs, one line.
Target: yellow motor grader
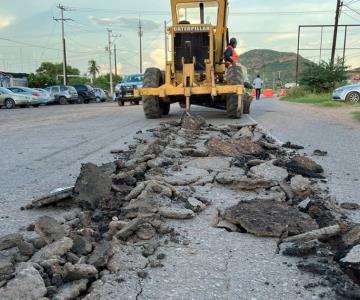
{"points": [[196, 72]]}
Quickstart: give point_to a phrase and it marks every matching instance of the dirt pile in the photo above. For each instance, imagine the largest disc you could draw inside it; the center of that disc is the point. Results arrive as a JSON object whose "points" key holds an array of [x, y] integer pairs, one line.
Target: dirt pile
{"points": [[117, 219]]}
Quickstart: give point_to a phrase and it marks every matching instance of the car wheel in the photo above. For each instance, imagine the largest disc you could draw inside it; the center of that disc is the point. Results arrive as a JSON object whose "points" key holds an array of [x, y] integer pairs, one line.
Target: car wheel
{"points": [[80, 100], [9, 103], [353, 97], [36, 105], [98, 100], [63, 101]]}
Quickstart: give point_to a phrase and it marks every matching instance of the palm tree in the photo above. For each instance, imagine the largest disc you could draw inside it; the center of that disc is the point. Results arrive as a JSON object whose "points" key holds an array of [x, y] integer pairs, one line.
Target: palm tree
{"points": [[93, 68]]}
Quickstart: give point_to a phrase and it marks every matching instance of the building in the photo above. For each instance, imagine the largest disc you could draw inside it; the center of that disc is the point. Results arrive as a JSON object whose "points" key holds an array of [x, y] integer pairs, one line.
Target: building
{"points": [[13, 79], [355, 75]]}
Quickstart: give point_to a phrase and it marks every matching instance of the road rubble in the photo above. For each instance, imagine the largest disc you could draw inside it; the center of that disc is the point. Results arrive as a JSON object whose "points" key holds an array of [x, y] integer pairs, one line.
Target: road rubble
{"points": [[123, 216]]}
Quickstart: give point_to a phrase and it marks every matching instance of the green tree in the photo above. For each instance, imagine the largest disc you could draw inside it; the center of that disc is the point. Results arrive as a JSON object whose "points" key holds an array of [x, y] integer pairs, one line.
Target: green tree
{"points": [[40, 80], [54, 69], [323, 77], [103, 81], [94, 69]]}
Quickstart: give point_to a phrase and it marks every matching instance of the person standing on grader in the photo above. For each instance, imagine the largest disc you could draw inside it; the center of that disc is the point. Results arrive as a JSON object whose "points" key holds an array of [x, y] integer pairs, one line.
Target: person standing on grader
{"points": [[258, 84], [230, 56]]}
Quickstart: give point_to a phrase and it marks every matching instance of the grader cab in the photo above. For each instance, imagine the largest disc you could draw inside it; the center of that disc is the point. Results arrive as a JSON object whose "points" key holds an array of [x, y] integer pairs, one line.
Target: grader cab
{"points": [[196, 72]]}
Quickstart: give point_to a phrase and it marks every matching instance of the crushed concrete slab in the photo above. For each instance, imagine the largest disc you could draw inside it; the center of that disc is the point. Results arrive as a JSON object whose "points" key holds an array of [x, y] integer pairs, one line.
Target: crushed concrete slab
{"points": [[92, 186], [234, 147], [231, 176], [9, 241], [176, 213], [353, 257], [209, 164], [49, 229], [269, 171], [192, 122], [352, 237], [269, 218], [227, 225], [305, 166], [71, 290], [185, 177], [57, 248], [27, 284], [79, 271], [300, 187], [194, 204], [126, 258]]}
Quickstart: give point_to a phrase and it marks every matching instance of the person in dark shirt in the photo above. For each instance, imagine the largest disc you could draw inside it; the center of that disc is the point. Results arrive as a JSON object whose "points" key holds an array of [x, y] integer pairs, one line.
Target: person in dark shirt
{"points": [[230, 56]]}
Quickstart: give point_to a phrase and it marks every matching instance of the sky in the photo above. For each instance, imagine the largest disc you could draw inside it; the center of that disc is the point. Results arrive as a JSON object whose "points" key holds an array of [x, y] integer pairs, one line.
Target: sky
{"points": [[29, 34]]}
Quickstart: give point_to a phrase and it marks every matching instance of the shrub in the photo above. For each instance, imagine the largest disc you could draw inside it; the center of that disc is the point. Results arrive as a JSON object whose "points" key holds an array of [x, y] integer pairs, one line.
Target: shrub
{"points": [[323, 77], [296, 92]]}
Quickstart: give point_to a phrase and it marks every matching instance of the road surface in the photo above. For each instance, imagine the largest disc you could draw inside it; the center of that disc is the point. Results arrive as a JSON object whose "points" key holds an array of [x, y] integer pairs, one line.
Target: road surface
{"points": [[42, 149]]}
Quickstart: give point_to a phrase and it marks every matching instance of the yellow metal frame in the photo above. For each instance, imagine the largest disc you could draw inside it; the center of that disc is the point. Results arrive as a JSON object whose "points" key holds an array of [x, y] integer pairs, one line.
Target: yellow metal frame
{"points": [[184, 83]]}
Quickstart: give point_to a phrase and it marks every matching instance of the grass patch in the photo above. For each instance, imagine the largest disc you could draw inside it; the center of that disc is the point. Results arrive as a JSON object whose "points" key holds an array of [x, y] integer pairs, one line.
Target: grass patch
{"points": [[317, 99], [357, 115]]}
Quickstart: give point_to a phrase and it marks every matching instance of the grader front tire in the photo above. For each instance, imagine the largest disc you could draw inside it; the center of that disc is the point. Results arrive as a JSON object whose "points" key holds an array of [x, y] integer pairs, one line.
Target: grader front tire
{"points": [[151, 105], [234, 77]]}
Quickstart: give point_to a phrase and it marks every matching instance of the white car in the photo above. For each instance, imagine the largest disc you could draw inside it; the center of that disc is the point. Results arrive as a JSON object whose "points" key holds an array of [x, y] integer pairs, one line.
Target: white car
{"points": [[348, 93], [9, 99]]}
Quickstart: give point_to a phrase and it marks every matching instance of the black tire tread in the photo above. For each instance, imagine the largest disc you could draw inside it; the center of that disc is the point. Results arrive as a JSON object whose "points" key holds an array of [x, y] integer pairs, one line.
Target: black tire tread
{"points": [[234, 77], [151, 104]]}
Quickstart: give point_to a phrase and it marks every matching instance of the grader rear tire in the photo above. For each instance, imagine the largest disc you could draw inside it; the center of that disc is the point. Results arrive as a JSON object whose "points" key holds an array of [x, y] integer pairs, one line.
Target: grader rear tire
{"points": [[234, 77], [151, 105]]}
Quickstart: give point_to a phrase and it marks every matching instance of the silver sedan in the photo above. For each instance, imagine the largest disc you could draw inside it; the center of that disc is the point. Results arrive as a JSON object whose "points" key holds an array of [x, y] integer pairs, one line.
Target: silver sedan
{"points": [[9, 99], [348, 93]]}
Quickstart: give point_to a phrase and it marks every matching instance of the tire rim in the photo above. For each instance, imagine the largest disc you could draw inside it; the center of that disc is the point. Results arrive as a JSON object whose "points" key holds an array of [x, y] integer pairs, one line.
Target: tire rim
{"points": [[354, 98], [9, 104]]}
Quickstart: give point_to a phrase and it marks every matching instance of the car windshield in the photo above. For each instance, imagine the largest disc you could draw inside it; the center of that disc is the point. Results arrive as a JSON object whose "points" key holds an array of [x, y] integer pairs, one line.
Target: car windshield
{"points": [[71, 88], [5, 91], [190, 12], [133, 78]]}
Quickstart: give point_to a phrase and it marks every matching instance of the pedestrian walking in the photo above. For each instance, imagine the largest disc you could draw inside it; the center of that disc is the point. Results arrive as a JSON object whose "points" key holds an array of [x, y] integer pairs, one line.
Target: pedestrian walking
{"points": [[258, 84]]}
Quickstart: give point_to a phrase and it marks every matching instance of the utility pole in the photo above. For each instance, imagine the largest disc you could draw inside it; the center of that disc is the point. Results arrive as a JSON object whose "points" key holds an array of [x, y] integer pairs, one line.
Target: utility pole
{"points": [[110, 62], [115, 60], [62, 19], [339, 4], [108, 48], [166, 43], [140, 33]]}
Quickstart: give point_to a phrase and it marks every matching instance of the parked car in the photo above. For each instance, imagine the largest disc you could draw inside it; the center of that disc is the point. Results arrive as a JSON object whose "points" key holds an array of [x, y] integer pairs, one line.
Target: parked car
{"points": [[124, 91], [348, 93], [63, 94], [49, 98], [100, 95], [9, 99], [37, 97], [85, 92]]}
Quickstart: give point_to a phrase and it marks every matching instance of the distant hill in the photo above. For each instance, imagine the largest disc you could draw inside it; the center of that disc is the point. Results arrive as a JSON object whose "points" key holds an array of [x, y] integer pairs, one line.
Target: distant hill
{"points": [[268, 64]]}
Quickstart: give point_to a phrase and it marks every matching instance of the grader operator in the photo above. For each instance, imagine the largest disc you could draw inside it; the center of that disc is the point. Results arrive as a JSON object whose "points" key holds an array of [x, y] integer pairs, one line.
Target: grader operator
{"points": [[196, 73]]}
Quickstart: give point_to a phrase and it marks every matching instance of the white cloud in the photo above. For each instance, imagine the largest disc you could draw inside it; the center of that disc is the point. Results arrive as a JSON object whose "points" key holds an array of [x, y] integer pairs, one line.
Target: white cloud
{"points": [[282, 37], [126, 22], [5, 21]]}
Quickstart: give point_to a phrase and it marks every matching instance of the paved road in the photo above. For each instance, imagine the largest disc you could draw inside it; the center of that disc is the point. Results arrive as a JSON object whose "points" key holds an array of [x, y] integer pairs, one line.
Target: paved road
{"points": [[329, 129], [42, 149]]}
